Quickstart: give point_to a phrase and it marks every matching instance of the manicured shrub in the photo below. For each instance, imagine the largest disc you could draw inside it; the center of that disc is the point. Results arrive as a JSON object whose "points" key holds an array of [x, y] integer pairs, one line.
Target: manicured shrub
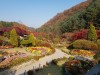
{"points": [[98, 43], [97, 56], [84, 44], [29, 41], [24, 42]]}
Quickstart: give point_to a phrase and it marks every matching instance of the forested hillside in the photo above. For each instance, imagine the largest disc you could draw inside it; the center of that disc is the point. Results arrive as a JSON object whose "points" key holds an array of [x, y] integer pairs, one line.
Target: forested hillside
{"points": [[82, 19], [77, 17], [8, 26]]}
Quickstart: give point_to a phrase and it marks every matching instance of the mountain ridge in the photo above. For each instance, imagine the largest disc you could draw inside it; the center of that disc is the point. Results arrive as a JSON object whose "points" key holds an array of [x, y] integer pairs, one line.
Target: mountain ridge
{"points": [[20, 28], [60, 17]]}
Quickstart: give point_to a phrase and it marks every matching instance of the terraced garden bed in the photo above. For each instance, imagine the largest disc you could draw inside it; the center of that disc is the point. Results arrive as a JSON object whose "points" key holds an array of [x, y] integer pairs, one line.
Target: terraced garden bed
{"points": [[5, 47], [40, 51]]}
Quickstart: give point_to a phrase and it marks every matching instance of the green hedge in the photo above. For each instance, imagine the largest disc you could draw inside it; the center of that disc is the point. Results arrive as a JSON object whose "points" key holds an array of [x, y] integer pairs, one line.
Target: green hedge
{"points": [[98, 43], [24, 42], [84, 44], [97, 56]]}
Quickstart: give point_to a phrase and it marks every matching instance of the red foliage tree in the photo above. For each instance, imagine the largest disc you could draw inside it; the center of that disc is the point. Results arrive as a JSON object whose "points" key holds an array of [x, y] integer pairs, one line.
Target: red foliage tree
{"points": [[36, 34], [98, 34], [82, 34], [19, 30]]}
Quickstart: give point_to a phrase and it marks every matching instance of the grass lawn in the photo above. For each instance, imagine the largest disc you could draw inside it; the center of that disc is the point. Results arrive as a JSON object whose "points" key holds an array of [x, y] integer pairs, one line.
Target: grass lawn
{"points": [[52, 69], [61, 62]]}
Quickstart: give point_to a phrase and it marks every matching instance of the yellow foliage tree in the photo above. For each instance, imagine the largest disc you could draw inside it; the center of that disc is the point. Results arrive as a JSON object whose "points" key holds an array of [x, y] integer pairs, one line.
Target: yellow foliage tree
{"points": [[13, 38], [32, 39]]}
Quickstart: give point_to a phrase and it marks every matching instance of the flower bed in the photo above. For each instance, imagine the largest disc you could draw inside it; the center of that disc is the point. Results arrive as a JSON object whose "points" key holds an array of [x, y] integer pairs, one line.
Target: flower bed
{"points": [[8, 64], [7, 60], [5, 47], [39, 51], [83, 53]]}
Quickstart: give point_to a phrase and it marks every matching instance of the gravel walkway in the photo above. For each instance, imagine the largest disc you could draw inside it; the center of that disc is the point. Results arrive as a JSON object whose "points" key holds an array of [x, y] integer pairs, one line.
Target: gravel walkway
{"points": [[19, 70]]}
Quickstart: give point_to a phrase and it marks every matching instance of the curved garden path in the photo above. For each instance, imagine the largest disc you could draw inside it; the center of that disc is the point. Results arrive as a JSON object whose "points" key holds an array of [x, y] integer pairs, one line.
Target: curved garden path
{"points": [[42, 61], [19, 70]]}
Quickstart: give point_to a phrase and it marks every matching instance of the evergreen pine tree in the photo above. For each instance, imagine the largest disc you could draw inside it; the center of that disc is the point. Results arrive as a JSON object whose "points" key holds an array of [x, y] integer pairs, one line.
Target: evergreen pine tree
{"points": [[92, 35], [13, 38], [32, 39]]}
